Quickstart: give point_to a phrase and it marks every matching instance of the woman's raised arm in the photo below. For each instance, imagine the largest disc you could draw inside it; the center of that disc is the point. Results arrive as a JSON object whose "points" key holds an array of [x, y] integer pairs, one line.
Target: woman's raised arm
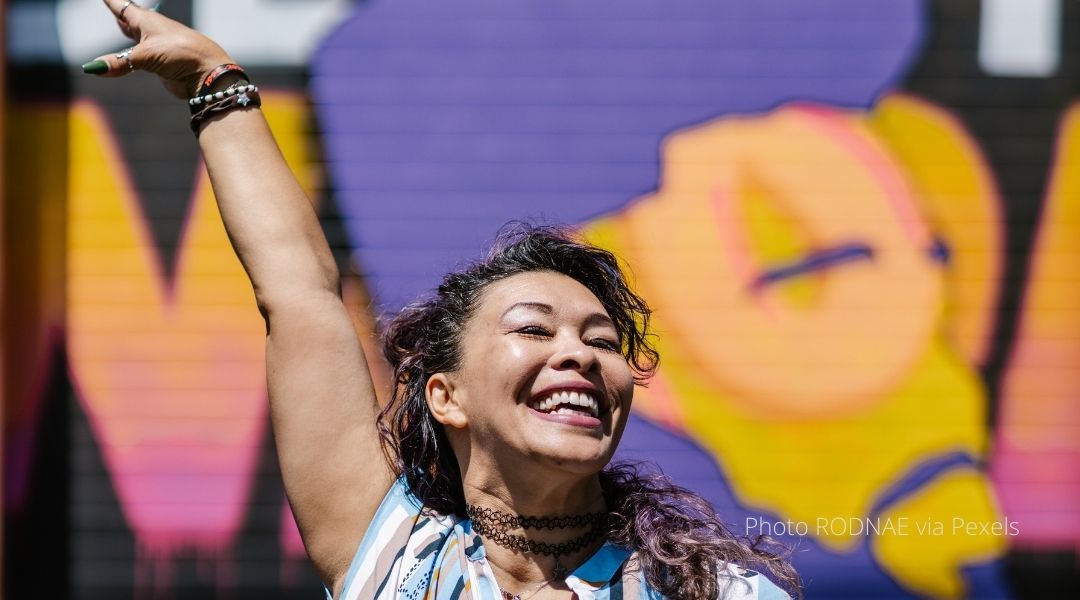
{"points": [[322, 399]]}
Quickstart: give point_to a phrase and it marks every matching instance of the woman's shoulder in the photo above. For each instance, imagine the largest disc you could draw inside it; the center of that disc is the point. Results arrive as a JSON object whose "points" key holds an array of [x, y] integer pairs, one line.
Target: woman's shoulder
{"points": [[738, 583], [402, 531]]}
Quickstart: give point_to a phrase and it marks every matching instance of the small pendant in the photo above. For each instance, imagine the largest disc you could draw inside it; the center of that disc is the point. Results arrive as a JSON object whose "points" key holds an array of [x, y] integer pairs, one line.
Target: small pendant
{"points": [[243, 99], [559, 571]]}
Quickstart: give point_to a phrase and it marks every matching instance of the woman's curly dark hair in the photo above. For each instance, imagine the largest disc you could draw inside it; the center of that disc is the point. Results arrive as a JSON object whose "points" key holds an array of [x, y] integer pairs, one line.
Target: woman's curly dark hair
{"points": [[680, 542]]}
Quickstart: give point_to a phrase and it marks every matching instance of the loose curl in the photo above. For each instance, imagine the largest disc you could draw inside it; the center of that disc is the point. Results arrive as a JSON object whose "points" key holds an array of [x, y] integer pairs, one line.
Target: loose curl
{"points": [[680, 542]]}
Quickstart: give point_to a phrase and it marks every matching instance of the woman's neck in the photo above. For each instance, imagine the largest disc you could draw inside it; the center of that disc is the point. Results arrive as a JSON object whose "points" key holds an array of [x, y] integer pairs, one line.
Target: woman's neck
{"points": [[537, 495], [531, 492]]}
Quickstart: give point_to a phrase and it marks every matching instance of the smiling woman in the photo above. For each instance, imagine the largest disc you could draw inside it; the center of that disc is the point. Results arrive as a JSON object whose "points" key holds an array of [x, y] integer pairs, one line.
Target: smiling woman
{"points": [[514, 382], [516, 365]]}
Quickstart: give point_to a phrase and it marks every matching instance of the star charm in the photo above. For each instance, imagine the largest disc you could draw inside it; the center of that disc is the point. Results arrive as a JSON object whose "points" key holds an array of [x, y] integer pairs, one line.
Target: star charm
{"points": [[559, 571], [243, 99]]}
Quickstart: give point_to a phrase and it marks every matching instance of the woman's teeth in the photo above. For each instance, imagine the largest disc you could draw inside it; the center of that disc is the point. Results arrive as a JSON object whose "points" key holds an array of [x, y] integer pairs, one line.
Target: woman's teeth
{"points": [[562, 403]]}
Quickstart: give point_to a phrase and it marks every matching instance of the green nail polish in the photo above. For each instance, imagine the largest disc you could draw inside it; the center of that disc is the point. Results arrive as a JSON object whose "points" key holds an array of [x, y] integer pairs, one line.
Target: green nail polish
{"points": [[96, 67]]}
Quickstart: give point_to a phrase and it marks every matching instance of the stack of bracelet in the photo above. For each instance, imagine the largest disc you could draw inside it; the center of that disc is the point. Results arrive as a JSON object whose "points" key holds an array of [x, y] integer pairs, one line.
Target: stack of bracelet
{"points": [[206, 103]]}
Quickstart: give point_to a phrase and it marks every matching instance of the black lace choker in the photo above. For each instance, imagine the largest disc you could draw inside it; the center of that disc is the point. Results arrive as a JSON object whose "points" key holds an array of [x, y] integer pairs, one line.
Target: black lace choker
{"points": [[496, 525]]}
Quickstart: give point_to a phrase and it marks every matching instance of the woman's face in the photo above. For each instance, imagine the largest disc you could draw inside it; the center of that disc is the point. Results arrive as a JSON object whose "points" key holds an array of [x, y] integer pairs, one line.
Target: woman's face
{"points": [[542, 380]]}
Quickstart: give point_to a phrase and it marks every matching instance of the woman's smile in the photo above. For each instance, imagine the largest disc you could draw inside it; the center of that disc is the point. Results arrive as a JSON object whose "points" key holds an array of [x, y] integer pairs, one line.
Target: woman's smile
{"points": [[579, 404]]}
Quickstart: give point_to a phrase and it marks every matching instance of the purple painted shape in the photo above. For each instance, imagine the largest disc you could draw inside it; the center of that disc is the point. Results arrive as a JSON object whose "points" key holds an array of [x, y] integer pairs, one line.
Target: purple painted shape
{"points": [[456, 116]]}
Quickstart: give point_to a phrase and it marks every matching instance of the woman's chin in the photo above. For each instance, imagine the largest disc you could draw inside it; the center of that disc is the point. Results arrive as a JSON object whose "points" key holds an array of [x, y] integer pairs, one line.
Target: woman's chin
{"points": [[578, 459]]}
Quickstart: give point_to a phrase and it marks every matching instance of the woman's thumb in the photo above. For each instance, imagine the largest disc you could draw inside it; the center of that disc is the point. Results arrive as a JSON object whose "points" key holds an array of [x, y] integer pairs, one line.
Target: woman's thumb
{"points": [[113, 65]]}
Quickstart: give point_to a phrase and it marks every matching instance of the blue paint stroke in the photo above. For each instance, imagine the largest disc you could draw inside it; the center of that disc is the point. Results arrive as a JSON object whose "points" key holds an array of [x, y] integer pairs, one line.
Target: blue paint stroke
{"points": [[814, 261]]}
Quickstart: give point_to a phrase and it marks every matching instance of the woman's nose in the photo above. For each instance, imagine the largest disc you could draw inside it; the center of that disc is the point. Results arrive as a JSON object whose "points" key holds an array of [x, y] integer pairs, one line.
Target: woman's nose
{"points": [[574, 354]]}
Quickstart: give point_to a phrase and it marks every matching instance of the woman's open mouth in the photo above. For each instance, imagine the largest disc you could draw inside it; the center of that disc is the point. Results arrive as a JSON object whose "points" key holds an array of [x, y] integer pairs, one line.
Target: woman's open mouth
{"points": [[570, 407]]}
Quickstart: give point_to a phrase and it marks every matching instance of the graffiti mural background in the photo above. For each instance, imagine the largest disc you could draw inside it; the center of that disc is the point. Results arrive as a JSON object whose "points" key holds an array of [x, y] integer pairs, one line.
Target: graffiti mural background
{"points": [[857, 222]]}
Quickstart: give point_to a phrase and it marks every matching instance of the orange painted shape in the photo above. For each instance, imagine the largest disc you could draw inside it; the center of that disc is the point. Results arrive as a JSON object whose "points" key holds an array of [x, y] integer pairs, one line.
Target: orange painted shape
{"points": [[826, 170]]}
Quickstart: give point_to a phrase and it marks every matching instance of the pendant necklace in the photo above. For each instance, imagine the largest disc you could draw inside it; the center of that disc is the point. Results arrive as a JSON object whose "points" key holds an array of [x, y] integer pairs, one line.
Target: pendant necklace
{"points": [[508, 596]]}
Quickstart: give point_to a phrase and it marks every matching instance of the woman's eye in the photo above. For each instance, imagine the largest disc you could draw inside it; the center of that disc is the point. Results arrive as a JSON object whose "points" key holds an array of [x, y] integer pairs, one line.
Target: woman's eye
{"points": [[534, 330], [605, 344]]}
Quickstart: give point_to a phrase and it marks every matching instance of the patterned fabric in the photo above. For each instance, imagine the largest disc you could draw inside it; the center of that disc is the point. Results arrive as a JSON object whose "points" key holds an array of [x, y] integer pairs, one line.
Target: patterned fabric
{"points": [[415, 554]]}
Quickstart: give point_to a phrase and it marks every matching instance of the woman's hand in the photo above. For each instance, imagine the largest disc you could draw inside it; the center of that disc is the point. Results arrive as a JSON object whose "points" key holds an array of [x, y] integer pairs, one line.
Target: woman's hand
{"points": [[179, 55]]}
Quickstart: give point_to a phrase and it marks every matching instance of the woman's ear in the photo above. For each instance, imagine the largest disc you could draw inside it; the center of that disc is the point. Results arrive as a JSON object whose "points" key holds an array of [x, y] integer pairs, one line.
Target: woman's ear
{"points": [[443, 401]]}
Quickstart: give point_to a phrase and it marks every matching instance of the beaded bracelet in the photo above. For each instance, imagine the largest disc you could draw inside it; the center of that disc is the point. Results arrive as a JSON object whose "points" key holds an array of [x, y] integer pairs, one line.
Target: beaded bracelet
{"points": [[241, 96], [217, 72], [195, 104]]}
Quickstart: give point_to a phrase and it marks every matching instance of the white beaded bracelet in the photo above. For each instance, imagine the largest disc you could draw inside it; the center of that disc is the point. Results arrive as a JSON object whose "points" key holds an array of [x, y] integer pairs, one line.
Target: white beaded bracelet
{"points": [[231, 91]]}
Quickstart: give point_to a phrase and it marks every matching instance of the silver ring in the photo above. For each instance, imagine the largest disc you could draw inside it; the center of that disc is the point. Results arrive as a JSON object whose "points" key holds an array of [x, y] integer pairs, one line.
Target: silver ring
{"points": [[123, 8], [125, 54]]}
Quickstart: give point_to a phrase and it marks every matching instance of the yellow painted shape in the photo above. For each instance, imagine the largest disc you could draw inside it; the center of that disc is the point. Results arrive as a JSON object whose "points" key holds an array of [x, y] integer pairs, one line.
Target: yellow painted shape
{"points": [[955, 189], [832, 468], [950, 523]]}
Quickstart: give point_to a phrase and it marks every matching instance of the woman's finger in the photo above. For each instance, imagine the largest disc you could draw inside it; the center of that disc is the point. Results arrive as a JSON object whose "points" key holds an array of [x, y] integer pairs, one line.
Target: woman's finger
{"points": [[126, 30], [132, 17], [114, 65], [122, 9]]}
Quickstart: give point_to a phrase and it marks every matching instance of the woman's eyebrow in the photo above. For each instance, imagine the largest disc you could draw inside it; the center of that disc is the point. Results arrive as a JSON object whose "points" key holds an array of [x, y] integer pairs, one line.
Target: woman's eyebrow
{"points": [[599, 319], [547, 309], [596, 318]]}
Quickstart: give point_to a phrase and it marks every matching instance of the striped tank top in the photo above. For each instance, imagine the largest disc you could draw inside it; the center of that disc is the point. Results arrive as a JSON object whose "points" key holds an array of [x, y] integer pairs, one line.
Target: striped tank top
{"points": [[412, 553]]}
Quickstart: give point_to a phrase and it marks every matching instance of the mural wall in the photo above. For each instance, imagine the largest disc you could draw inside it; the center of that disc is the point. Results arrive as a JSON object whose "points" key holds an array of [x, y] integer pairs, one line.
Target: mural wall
{"points": [[857, 223]]}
